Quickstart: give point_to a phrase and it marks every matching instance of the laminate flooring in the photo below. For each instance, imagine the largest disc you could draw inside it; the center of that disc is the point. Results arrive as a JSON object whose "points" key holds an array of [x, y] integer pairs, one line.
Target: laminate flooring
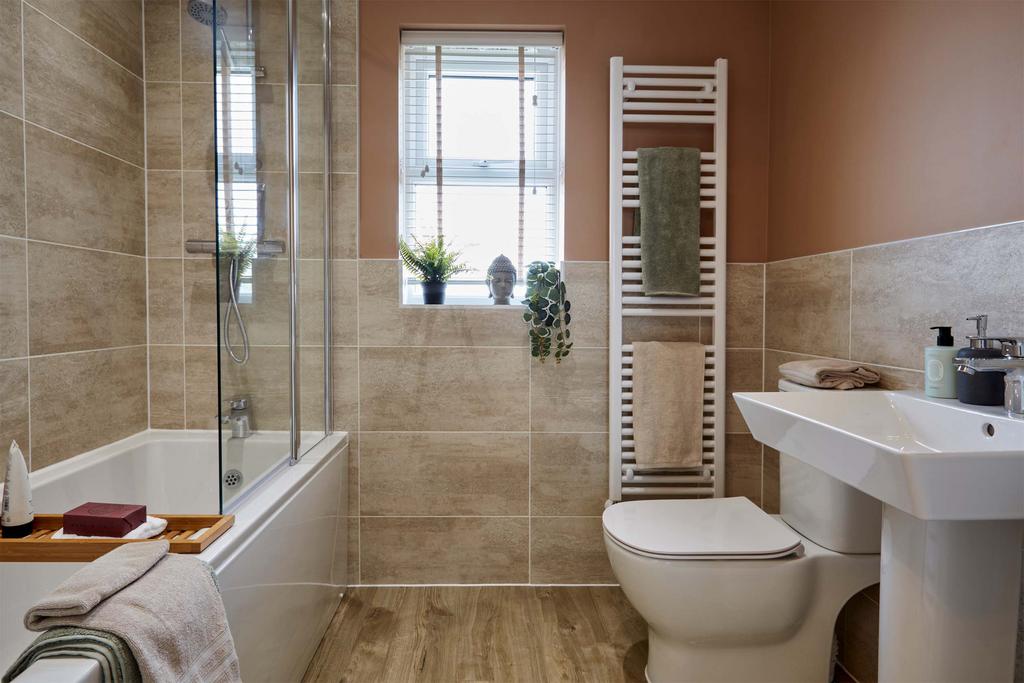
{"points": [[500, 633]]}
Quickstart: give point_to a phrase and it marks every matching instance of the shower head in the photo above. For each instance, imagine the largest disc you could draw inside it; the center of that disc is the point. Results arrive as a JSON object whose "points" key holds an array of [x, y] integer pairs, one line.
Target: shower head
{"points": [[204, 12]]}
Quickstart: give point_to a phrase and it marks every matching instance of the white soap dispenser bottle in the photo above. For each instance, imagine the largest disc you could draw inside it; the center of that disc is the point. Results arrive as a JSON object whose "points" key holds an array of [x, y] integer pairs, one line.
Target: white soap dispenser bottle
{"points": [[939, 374]]}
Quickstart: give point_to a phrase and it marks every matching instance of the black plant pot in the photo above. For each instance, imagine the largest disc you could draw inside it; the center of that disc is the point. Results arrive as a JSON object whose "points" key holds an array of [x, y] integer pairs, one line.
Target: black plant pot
{"points": [[433, 292]]}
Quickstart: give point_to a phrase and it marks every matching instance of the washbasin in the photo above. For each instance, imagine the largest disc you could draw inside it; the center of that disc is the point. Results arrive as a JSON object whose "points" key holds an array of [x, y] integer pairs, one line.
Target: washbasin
{"points": [[951, 480], [932, 458]]}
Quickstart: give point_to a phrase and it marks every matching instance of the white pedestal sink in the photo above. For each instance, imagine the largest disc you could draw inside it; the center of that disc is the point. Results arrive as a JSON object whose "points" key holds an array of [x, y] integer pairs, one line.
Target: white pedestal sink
{"points": [[951, 478]]}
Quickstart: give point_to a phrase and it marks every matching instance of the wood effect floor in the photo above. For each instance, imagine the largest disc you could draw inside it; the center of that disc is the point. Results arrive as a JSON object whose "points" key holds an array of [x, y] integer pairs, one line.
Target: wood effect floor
{"points": [[506, 633]]}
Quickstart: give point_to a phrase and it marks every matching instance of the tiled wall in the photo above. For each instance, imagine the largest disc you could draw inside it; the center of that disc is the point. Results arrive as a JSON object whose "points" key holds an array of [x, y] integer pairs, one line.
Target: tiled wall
{"points": [[182, 290], [473, 463], [874, 305], [72, 226]]}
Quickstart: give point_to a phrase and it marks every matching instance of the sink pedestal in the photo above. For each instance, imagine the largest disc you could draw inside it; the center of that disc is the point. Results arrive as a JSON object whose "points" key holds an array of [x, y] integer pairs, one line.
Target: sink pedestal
{"points": [[949, 599]]}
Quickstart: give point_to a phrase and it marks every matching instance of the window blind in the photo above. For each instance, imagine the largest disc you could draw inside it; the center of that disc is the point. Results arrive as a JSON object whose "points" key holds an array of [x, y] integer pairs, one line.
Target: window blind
{"points": [[481, 145]]}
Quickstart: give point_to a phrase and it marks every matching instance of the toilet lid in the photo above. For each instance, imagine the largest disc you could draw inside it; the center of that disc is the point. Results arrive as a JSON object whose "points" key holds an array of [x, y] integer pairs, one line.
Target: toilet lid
{"points": [[716, 527]]}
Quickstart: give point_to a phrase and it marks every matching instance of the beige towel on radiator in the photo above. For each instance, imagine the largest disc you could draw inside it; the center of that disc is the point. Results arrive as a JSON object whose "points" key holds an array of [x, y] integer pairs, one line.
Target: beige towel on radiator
{"points": [[668, 404], [165, 607]]}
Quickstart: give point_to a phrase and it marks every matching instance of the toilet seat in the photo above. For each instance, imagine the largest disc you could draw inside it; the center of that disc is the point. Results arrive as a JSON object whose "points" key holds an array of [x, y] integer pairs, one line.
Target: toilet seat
{"points": [[706, 529]]}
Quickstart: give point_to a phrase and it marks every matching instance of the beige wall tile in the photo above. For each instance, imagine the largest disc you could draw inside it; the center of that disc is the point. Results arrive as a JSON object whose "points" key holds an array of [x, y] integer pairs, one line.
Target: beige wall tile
{"points": [[82, 197], [636, 329], [263, 380], [76, 91], [167, 387], [199, 213], [859, 647], [344, 197], [12, 175], [807, 305], [901, 289], [10, 56], [196, 52], [383, 321], [744, 305], [81, 401], [443, 389], [571, 396], [344, 291], [311, 214], [430, 473], [163, 126], [743, 372], [444, 549], [14, 403], [163, 213], [267, 317], [569, 474], [197, 121], [81, 299], [201, 309], [114, 27], [310, 39], [344, 29], [568, 550], [311, 394], [162, 31], [165, 301], [344, 121], [271, 107], [201, 387], [586, 286], [770, 481], [311, 126], [13, 299], [743, 467], [270, 20], [345, 387]]}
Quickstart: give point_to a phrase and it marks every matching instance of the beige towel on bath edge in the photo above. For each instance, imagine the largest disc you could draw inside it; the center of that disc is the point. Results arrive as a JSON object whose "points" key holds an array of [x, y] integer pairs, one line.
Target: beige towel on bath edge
{"points": [[823, 373], [668, 404], [166, 607]]}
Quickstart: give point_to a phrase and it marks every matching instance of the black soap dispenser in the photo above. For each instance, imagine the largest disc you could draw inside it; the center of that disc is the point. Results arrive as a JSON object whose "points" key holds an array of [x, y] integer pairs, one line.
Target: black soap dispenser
{"points": [[981, 388]]}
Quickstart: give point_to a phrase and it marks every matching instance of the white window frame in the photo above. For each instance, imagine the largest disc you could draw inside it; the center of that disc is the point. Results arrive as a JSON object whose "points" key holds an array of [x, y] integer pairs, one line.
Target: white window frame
{"points": [[423, 38]]}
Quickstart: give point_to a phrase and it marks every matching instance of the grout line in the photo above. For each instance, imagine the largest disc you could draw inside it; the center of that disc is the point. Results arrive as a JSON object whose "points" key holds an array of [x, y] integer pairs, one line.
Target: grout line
{"points": [[84, 41], [72, 246], [855, 360], [849, 345], [181, 246], [76, 352], [24, 183], [85, 144], [145, 222]]}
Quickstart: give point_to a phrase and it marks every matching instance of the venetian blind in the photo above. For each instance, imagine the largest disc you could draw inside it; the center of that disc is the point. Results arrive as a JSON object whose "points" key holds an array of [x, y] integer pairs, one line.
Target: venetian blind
{"points": [[481, 144]]}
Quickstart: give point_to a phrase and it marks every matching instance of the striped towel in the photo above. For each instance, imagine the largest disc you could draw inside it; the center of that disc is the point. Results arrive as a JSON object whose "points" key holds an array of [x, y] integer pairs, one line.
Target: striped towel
{"points": [[117, 665]]}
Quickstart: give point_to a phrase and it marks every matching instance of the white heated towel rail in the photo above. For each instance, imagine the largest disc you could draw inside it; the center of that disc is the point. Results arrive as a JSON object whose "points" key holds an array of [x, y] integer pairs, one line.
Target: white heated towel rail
{"points": [[675, 95]]}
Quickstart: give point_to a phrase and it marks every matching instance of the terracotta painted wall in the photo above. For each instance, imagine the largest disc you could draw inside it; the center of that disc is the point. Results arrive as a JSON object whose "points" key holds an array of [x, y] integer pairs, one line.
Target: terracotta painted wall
{"points": [[892, 120], [642, 32]]}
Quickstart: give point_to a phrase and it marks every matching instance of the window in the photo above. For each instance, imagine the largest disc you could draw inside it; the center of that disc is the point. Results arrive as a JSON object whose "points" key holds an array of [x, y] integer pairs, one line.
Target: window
{"points": [[481, 151]]}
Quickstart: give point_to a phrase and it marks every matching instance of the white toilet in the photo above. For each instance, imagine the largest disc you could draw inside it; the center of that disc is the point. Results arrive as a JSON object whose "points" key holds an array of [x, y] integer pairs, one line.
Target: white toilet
{"points": [[733, 594]]}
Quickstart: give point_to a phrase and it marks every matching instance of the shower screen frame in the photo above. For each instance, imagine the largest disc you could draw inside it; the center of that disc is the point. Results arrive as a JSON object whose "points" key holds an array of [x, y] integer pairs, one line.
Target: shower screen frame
{"points": [[293, 227]]}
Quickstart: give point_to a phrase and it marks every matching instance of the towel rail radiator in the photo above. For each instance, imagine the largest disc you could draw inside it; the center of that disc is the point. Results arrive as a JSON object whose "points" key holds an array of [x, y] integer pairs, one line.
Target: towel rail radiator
{"points": [[673, 95]]}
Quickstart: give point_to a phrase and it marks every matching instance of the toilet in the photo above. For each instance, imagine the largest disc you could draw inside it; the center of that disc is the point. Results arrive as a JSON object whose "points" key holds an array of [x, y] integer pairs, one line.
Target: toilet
{"points": [[733, 594]]}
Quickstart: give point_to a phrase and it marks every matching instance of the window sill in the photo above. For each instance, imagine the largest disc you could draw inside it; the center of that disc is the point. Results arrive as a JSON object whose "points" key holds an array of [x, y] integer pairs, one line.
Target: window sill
{"points": [[483, 306]]}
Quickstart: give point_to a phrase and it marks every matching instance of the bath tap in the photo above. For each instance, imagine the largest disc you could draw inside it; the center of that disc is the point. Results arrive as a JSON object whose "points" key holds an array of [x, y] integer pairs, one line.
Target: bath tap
{"points": [[1012, 363], [240, 418]]}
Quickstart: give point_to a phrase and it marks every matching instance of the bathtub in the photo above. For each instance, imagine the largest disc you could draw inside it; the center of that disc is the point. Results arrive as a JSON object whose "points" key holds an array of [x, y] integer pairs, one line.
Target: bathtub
{"points": [[275, 566]]}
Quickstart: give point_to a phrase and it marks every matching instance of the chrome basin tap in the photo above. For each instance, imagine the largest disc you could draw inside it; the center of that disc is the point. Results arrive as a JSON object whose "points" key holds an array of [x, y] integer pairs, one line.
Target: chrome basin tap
{"points": [[240, 418], [1012, 363]]}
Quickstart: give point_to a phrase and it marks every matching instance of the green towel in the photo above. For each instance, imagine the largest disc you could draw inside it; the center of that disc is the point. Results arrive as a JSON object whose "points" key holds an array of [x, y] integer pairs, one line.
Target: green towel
{"points": [[670, 214], [117, 664]]}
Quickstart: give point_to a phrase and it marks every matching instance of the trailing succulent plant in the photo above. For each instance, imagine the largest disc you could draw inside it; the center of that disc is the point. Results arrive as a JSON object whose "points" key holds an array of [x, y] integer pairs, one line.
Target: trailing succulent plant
{"points": [[431, 261], [547, 312]]}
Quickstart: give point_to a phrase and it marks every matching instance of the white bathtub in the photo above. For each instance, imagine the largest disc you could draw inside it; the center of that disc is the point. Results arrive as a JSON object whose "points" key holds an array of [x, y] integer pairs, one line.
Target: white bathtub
{"points": [[274, 567]]}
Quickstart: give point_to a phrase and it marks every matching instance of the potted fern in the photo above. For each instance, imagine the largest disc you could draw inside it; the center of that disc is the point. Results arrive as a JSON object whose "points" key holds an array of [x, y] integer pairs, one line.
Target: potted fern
{"points": [[433, 263]]}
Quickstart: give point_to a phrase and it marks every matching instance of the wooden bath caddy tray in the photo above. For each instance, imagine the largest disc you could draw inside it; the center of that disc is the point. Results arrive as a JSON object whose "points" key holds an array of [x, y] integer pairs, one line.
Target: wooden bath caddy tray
{"points": [[39, 546]]}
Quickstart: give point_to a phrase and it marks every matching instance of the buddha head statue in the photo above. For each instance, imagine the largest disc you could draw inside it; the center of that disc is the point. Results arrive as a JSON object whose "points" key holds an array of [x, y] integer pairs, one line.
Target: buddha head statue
{"points": [[501, 280]]}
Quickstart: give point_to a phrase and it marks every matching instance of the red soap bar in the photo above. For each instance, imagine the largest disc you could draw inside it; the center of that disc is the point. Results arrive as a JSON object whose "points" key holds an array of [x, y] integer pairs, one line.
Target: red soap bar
{"points": [[103, 519]]}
